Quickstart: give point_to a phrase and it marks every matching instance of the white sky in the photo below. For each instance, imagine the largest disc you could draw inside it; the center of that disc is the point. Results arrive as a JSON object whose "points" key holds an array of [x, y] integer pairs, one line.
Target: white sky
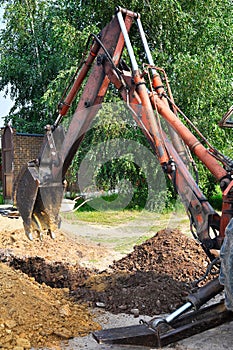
{"points": [[5, 103]]}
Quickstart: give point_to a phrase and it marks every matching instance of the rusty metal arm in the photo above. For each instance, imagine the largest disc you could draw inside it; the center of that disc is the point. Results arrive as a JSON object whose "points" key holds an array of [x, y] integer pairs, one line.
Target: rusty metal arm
{"points": [[43, 178], [59, 150], [202, 215]]}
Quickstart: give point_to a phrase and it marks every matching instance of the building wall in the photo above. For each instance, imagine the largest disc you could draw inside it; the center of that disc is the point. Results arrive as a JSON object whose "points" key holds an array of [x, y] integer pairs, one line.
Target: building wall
{"points": [[21, 148], [26, 148]]}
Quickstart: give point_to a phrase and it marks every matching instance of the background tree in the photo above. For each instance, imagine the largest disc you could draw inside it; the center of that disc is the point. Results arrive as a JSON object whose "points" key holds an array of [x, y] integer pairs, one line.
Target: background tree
{"points": [[43, 40], [191, 40], [38, 42]]}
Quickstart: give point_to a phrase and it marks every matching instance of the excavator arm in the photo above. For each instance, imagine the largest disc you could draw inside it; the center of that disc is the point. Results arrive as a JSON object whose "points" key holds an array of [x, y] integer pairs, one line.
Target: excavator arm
{"points": [[39, 188], [43, 178]]}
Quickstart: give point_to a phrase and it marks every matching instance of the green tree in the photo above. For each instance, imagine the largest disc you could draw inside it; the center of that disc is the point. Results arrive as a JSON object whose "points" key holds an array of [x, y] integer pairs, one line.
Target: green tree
{"points": [[37, 43], [191, 40]]}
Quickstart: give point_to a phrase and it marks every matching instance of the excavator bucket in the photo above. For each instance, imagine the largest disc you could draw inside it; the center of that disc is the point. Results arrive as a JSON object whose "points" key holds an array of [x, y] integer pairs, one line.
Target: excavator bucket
{"points": [[39, 207], [37, 193]]}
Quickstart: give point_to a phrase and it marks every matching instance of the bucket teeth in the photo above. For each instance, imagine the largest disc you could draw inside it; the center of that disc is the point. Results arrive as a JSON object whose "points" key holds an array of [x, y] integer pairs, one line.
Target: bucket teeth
{"points": [[40, 234], [52, 234], [29, 235]]}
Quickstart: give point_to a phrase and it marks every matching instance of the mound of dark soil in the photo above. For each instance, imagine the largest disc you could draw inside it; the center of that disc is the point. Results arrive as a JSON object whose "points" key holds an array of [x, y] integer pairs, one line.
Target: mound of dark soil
{"points": [[170, 253], [153, 279]]}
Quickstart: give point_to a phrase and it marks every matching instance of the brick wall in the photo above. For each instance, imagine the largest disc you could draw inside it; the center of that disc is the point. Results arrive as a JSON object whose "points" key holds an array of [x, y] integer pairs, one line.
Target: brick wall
{"points": [[18, 149], [26, 148]]}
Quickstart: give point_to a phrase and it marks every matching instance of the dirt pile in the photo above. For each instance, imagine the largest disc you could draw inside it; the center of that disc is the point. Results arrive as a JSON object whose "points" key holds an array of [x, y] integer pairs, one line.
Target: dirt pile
{"points": [[153, 279], [169, 253], [37, 315], [65, 249]]}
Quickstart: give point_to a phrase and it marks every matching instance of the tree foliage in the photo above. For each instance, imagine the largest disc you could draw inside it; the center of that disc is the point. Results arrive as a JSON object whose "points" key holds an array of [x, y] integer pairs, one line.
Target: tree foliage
{"points": [[38, 42], [192, 40]]}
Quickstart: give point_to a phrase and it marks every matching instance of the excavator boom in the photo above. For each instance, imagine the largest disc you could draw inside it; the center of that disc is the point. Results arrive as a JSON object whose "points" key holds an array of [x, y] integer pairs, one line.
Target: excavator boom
{"points": [[39, 188]]}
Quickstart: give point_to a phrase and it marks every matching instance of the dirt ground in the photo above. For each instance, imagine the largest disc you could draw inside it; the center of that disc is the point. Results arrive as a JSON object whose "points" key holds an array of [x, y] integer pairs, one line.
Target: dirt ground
{"points": [[165, 264], [64, 289]]}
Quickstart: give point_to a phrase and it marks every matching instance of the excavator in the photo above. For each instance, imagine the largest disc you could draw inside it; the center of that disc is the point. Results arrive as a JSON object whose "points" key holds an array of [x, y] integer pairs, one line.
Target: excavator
{"points": [[39, 188]]}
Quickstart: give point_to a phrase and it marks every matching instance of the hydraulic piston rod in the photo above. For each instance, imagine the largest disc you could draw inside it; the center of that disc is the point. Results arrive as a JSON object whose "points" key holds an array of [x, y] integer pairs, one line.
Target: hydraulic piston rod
{"points": [[163, 331], [195, 301]]}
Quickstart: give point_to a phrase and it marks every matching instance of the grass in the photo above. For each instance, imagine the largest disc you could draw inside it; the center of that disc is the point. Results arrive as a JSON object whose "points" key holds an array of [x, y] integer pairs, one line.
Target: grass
{"points": [[137, 226], [118, 217], [127, 243], [123, 244], [103, 217]]}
